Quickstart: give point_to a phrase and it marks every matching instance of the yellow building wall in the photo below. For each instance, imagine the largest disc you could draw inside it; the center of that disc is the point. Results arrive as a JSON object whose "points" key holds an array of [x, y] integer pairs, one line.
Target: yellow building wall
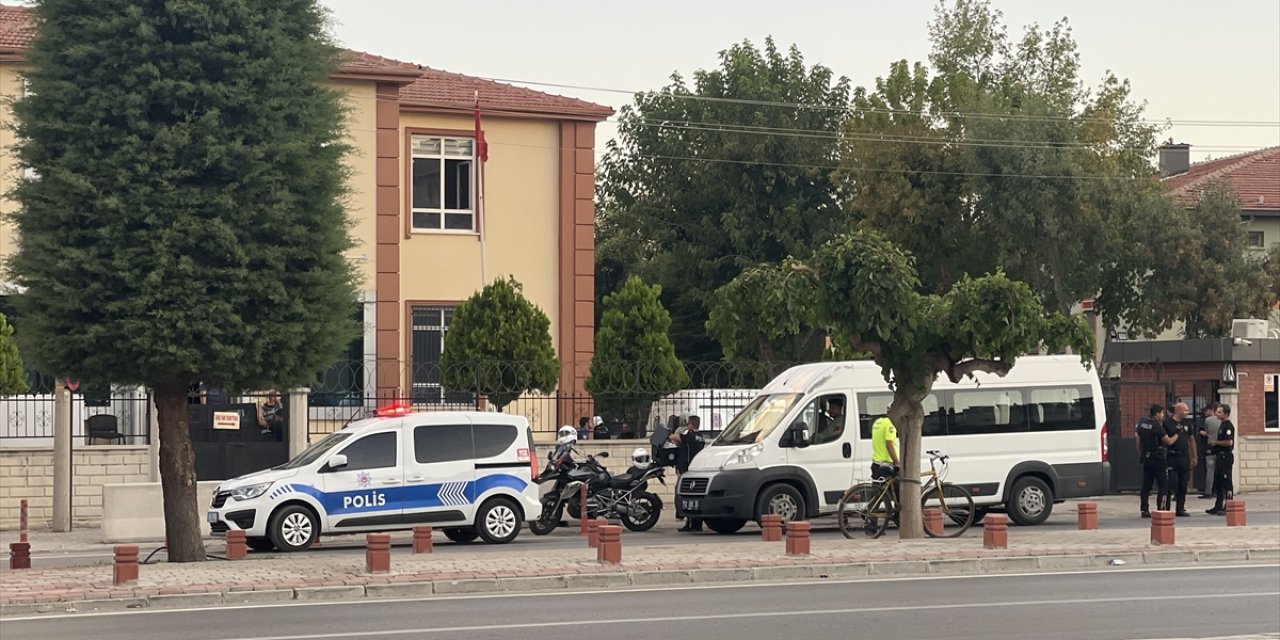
{"points": [[362, 183], [10, 89], [521, 220]]}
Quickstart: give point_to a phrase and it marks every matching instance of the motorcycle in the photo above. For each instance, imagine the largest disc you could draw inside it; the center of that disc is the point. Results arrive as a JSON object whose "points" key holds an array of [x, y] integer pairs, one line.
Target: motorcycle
{"points": [[624, 496]]}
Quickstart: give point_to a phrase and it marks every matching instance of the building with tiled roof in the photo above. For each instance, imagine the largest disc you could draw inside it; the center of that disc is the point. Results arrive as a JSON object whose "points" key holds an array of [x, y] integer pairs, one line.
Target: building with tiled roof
{"points": [[1254, 176], [426, 239]]}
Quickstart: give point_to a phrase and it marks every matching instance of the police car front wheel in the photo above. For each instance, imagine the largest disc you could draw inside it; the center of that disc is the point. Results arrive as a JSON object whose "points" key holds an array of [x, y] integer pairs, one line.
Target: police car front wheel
{"points": [[293, 528], [498, 521]]}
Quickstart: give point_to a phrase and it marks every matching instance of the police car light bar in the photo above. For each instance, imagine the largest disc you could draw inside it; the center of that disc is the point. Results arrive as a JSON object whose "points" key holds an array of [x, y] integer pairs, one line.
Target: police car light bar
{"points": [[392, 410]]}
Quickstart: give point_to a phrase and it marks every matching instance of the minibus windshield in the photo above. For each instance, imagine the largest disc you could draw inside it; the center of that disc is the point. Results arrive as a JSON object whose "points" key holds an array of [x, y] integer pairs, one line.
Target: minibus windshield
{"points": [[758, 419], [313, 452]]}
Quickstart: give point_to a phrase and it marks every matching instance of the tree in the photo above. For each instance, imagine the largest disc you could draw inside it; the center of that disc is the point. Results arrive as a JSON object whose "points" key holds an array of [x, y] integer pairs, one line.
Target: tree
{"points": [[634, 360], [703, 181], [186, 223], [13, 376], [996, 154], [978, 324], [499, 345], [765, 307]]}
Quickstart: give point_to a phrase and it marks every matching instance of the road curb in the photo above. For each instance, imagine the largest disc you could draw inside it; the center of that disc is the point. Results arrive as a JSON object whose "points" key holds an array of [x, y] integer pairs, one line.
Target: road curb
{"points": [[817, 569]]}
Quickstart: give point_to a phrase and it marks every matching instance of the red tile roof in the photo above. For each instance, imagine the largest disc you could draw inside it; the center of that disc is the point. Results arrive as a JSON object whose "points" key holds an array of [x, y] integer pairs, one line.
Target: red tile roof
{"points": [[17, 27], [431, 88], [1254, 175]]}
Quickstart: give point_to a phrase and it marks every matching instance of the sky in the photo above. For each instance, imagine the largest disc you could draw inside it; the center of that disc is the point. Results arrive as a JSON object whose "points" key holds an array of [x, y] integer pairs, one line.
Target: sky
{"points": [[1188, 60]]}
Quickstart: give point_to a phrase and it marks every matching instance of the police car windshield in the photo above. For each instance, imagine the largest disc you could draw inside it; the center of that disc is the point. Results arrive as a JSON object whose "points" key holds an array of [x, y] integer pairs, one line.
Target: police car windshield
{"points": [[313, 452], [758, 419]]}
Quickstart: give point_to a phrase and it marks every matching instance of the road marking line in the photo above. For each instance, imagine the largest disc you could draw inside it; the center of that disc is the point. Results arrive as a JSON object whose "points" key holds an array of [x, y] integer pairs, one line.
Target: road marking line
{"points": [[685, 587], [914, 608]]}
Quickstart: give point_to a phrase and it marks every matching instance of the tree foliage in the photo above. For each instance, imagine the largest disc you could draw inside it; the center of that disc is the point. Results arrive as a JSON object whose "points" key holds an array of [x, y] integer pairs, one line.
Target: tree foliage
{"points": [[703, 181], [978, 324], [13, 376], [764, 308], [187, 222], [996, 154], [499, 344], [634, 357]]}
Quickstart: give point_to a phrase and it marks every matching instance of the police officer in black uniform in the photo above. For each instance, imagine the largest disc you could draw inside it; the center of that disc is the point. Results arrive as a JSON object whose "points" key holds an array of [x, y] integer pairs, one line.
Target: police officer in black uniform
{"points": [[1152, 451], [1224, 458], [1182, 456]]}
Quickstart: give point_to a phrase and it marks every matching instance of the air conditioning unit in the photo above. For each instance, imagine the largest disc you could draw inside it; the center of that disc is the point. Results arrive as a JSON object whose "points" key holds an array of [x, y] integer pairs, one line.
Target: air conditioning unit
{"points": [[1249, 329]]}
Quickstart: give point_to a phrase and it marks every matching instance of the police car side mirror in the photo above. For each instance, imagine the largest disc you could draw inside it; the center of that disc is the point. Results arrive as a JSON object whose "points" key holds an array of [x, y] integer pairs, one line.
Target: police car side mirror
{"points": [[338, 461]]}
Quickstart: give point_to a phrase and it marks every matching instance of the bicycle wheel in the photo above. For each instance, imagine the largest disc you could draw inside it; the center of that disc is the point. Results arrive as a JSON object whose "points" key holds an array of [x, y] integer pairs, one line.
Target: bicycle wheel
{"points": [[861, 513], [957, 510]]}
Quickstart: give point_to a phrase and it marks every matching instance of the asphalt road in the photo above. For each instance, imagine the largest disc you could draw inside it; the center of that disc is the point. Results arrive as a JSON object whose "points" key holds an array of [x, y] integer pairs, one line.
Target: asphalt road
{"points": [[1099, 605], [1114, 513]]}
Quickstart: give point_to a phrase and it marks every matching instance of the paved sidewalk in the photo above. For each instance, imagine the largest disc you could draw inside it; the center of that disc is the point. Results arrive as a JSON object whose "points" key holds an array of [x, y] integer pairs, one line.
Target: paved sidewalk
{"points": [[280, 578]]}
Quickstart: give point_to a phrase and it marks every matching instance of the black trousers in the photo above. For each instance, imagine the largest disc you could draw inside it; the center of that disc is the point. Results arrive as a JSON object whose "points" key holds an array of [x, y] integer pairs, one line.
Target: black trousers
{"points": [[1223, 489], [1179, 471], [1154, 472]]}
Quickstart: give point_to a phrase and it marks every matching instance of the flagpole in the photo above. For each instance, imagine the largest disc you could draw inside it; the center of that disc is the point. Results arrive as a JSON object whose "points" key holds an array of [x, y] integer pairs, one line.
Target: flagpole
{"points": [[482, 153]]}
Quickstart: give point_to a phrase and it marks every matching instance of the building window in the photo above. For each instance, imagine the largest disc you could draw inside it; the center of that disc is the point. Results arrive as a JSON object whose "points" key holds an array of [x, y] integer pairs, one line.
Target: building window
{"points": [[429, 326], [1271, 405], [1256, 240], [443, 197]]}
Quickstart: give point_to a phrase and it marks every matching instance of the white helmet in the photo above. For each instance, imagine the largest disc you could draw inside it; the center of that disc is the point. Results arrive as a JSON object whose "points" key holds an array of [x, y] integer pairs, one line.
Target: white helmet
{"points": [[567, 435], [641, 458]]}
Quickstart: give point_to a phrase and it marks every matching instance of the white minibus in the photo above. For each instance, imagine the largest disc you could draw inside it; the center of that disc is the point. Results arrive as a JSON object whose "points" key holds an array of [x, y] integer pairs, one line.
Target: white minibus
{"points": [[1021, 442]]}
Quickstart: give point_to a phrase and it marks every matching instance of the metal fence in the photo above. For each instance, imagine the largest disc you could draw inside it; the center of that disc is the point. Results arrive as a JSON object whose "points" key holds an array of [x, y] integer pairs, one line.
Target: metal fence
{"points": [[120, 415], [626, 398]]}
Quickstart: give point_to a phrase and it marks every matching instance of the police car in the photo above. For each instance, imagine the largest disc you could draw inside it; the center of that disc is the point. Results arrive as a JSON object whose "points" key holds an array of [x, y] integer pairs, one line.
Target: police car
{"points": [[469, 473]]}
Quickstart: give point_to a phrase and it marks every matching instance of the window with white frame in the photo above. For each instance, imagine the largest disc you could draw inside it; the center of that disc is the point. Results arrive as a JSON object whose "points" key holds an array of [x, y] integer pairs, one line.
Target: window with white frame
{"points": [[1271, 404], [443, 186], [429, 324], [1257, 240]]}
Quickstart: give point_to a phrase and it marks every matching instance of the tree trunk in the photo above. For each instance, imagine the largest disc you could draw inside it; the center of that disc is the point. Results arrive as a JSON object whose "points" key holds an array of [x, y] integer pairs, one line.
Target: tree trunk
{"points": [[182, 523], [907, 414]]}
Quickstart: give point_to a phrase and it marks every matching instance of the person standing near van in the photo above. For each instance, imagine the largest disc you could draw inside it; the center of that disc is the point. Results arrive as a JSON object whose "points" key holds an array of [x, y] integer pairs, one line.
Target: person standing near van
{"points": [[1224, 451], [1182, 456], [884, 448], [690, 442], [1154, 454], [1209, 433]]}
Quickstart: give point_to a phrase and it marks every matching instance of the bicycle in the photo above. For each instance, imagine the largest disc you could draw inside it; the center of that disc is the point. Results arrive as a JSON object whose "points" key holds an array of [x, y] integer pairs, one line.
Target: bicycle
{"points": [[869, 507]]}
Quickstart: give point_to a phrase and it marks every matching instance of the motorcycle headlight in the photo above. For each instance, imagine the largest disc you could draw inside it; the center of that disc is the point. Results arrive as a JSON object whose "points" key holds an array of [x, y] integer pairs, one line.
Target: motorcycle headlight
{"points": [[744, 456], [250, 492]]}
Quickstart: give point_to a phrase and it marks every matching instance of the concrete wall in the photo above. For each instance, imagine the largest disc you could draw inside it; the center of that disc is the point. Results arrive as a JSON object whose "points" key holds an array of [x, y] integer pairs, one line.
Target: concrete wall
{"points": [[28, 473], [1258, 463], [10, 89]]}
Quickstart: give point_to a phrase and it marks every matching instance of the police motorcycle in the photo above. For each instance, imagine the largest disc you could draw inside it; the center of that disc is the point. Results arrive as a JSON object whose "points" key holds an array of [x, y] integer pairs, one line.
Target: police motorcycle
{"points": [[623, 496]]}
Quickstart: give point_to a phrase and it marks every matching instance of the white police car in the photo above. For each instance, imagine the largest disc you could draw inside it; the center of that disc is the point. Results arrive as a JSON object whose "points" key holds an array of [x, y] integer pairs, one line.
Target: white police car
{"points": [[469, 473]]}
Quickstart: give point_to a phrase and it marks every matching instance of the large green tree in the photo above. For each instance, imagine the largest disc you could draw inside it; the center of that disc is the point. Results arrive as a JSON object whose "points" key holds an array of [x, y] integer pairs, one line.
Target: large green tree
{"points": [[13, 376], [634, 360], [710, 177], [187, 222], [499, 345], [996, 154], [980, 324]]}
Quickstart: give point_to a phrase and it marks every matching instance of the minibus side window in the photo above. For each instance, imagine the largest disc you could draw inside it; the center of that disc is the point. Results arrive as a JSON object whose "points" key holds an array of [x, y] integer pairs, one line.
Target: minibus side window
{"points": [[873, 405]]}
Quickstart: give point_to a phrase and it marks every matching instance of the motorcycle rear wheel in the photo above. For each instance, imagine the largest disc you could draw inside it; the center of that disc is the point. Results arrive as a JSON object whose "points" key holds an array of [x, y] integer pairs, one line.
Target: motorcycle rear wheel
{"points": [[649, 509]]}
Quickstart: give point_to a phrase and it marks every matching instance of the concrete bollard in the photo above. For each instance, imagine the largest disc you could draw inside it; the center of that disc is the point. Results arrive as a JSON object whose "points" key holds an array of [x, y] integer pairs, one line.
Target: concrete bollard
{"points": [[933, 520], [237, 548], [609, 550], [583, 527], [377, 554], [422, 539], [124, 568], [995, 531], [22, 520], [1235, 513], [798, 538], [593, 531], [1162, 527], [19, 555], [1087, 516], [771, 527]]}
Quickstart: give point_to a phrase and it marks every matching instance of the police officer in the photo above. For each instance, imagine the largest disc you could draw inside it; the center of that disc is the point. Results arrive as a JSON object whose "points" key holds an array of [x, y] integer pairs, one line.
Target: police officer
{"points": [[1182, 456], [1224, 458], [1152, 451]]}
